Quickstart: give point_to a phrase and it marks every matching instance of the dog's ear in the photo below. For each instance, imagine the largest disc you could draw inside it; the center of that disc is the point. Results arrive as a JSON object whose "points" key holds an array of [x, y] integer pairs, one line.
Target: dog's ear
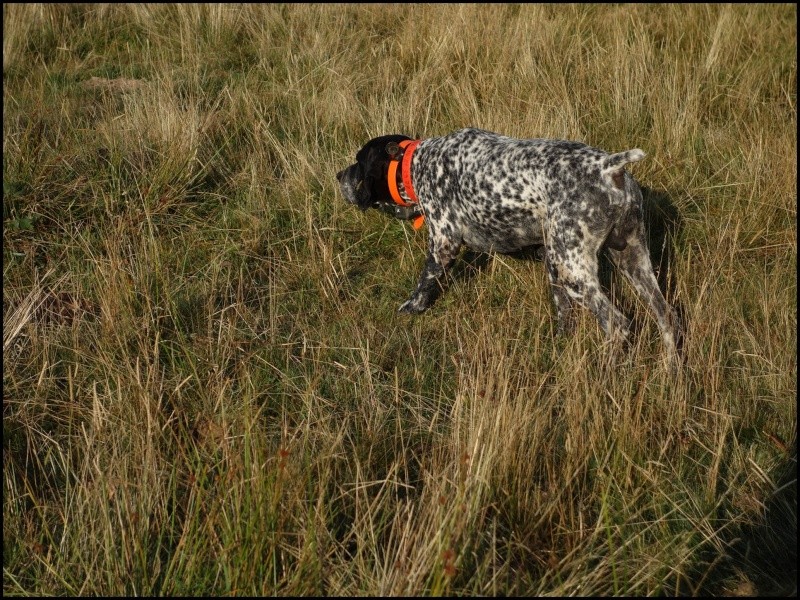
{"points": [[392, 149]]}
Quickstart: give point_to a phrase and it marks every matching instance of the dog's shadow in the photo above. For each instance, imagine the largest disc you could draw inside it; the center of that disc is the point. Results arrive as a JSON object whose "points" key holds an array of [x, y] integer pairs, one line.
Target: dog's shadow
{"points": [[662, 223]]}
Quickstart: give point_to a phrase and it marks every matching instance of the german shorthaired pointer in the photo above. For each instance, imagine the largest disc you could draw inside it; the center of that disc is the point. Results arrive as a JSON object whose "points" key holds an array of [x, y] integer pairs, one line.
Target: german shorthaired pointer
{"points": [[498, 194]]}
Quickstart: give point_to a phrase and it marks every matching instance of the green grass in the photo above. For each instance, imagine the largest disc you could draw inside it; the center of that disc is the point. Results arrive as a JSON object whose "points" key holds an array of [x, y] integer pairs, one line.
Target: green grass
{"points": [[208, 390]]}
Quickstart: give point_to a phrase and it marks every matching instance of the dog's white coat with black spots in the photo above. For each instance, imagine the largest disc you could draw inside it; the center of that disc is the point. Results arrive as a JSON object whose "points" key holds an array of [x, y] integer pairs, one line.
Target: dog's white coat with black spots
{"points": [[498, 194]]}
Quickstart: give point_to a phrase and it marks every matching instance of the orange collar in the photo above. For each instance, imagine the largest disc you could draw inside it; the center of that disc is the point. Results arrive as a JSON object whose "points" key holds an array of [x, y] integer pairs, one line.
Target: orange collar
{"points": [[408, 147]]}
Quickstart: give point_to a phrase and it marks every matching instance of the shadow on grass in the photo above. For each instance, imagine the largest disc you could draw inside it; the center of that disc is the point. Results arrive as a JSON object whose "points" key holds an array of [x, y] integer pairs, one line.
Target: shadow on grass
{"points": [[662, 223], [761, 558], [767, 553]]}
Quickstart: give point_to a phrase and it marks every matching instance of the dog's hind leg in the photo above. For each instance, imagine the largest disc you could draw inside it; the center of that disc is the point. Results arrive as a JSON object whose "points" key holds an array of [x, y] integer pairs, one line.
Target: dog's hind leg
{"points": [[634, 262], [574, 278]]}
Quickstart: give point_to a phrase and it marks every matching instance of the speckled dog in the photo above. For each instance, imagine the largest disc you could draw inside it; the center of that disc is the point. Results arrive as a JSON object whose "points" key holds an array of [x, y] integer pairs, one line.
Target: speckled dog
{"points": [[499, 194]]}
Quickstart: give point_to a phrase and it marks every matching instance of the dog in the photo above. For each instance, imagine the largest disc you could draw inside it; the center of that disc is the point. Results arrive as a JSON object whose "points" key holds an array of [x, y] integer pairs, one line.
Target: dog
{"points": [[493, 193]]}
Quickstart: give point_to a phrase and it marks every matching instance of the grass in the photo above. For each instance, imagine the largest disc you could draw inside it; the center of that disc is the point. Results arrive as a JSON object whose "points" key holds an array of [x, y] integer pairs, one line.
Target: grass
{"points": [[208, 390]]}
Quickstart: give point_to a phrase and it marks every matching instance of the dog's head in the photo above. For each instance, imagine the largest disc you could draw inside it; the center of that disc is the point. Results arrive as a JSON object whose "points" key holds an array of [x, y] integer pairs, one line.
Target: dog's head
{"points": [[364, 183]]}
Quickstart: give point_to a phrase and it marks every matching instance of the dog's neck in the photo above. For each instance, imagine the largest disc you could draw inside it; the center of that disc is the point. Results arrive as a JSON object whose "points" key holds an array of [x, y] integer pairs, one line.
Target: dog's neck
{"points": [[401, 188]]}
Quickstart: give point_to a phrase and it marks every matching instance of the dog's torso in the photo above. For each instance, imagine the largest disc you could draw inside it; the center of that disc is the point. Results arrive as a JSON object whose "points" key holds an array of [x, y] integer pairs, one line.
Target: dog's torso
{"points": [[497, 193]]}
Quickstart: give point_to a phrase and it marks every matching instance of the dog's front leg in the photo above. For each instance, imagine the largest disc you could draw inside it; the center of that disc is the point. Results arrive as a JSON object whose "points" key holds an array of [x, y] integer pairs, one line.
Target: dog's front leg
{"points": [[441, 255]]}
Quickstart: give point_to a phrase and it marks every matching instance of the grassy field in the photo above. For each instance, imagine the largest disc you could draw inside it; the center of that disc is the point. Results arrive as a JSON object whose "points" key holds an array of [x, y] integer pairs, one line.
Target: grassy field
{"points": [[207, 388]]}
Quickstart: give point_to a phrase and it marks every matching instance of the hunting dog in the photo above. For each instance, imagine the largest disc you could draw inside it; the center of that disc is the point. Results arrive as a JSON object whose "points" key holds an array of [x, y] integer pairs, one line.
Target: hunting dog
{"points": [[499, 194]]}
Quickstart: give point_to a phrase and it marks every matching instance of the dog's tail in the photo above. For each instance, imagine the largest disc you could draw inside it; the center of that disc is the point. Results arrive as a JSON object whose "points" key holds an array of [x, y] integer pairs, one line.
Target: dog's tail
{"points": [[613, 169]]}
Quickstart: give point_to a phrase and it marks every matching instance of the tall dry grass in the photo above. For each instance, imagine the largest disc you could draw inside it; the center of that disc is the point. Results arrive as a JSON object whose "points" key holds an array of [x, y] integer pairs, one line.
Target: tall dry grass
{"points": [[207, 389]]}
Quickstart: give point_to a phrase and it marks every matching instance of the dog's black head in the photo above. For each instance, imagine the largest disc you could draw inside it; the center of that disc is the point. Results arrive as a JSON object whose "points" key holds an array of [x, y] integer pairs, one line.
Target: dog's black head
{"points": [[364, 183]]}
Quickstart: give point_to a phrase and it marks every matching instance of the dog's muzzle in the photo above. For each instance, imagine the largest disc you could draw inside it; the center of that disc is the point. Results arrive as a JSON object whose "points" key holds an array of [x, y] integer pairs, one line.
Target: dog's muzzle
{"points": [[350, 188]]}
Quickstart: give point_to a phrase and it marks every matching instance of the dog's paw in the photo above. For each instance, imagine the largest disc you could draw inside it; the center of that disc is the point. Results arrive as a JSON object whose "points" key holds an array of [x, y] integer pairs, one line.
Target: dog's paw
{"points": [[412, 307]]}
